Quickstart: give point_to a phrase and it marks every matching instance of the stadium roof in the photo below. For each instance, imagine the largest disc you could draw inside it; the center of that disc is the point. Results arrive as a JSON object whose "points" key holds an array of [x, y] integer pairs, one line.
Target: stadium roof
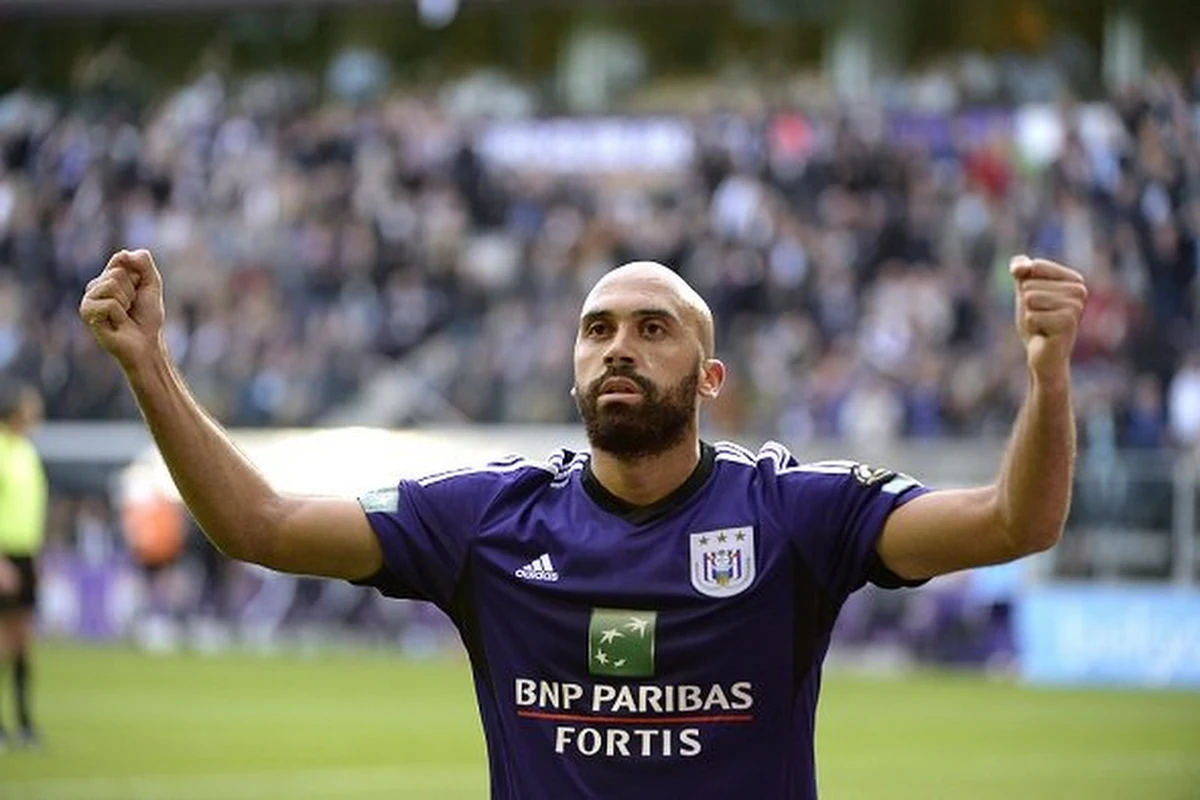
{"points": [[108, 6], [98, 7]]}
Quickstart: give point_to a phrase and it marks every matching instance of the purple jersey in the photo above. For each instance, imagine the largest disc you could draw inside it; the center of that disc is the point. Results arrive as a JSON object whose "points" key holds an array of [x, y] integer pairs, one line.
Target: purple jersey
{"points": [[643, 652]]}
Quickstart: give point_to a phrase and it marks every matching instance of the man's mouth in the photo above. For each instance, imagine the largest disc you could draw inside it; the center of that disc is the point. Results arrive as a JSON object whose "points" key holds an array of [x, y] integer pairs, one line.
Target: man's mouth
{"points": [[619, 386]]}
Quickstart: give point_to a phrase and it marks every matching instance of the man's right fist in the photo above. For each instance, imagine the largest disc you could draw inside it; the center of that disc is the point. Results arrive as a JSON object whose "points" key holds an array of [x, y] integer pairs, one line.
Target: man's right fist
{"points": [[123, 307]]}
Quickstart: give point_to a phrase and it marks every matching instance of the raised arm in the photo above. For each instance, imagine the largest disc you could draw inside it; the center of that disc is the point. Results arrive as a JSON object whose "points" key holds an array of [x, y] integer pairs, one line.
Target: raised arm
{"points": [[231, 501], [1024, 511]]}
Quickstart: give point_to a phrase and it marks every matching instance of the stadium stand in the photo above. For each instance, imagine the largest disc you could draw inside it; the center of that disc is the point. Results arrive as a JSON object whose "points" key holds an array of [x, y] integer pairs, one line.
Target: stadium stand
{"points": [[309, 245], [391, 261]]}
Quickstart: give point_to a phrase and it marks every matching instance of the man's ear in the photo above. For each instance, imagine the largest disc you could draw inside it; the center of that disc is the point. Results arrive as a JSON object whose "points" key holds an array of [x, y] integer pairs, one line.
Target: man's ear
{"points": [[712, 378]]}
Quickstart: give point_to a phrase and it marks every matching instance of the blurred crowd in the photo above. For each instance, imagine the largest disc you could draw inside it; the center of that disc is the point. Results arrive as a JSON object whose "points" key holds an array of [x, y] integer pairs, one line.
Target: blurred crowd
{"points": [[859, 281]]}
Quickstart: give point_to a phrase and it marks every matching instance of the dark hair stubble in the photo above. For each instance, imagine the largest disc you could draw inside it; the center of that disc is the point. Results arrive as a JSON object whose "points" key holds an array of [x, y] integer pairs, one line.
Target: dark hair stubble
{"points": [[641, 430]]}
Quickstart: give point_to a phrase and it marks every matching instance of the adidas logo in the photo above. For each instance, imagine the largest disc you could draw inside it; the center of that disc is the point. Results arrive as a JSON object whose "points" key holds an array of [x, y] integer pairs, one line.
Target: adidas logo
{"points": [[540, 569]]}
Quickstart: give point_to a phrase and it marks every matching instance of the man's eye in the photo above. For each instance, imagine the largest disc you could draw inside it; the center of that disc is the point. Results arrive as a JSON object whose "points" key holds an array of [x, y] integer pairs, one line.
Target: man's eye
{"points": [[654, 329], [596, 329]]}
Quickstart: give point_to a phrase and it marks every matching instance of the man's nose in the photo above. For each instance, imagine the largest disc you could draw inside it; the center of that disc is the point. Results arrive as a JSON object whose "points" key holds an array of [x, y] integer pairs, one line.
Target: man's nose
{"points": [[619, 350]]}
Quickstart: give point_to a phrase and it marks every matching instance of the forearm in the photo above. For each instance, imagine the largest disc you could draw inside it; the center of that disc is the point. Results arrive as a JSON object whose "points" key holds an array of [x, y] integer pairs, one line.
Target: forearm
{"points": [[227, 496], [1034, 486]]}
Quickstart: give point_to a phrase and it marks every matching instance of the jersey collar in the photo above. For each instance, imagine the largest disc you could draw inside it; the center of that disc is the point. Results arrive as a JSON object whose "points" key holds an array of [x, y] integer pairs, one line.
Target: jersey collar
{"points": [[641, 515]]}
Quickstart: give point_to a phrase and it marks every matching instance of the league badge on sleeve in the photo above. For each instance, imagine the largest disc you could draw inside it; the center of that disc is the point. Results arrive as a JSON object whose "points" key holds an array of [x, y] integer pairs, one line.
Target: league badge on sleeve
{"points": [[869, 476], [889, 482], [722, 561]]}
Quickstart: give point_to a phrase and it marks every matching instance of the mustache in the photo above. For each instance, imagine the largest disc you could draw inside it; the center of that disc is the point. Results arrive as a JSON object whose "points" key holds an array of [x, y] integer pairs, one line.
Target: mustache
{"points": [[620, 372]]}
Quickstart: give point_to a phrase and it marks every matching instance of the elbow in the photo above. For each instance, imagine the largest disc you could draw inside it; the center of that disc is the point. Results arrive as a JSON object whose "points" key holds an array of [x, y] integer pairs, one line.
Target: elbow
{"points": [[1041, 540], [1028, 525], [252, 537], [233, 544], [1028, 540]]}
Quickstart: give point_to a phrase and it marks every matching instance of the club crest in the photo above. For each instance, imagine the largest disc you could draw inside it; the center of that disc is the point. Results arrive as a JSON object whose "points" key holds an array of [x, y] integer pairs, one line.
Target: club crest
{"points": [[722, 561]]}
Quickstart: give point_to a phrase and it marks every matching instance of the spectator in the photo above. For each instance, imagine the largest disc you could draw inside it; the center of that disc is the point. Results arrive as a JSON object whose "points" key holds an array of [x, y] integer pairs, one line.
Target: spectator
{"points": [[317, 243]]}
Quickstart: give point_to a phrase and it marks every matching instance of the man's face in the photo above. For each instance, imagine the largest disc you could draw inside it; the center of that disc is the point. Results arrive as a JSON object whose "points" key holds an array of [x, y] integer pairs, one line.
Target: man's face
{"points": [[28, 412], [34, 410], [638, 368]]}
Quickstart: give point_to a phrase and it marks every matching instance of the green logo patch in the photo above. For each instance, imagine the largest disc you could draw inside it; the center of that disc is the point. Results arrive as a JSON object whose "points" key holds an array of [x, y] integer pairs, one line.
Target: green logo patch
{"points": [[621, 643]]}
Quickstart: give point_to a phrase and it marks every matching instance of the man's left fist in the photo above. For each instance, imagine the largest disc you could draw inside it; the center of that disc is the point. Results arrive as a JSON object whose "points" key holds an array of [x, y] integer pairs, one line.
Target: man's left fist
{"points": [[1050, 301]]}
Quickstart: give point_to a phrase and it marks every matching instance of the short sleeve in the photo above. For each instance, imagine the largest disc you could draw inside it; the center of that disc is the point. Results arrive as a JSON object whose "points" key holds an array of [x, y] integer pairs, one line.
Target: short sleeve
{"points": [[424, 529], [835, 512]]}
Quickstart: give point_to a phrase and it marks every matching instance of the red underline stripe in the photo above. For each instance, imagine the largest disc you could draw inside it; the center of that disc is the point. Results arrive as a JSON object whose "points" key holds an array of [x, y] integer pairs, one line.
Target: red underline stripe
{"points": [[701, 720]]}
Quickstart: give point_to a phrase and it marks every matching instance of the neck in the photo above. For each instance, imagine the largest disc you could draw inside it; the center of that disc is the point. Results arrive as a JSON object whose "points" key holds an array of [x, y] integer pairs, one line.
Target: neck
{"points": [[644, 481]]}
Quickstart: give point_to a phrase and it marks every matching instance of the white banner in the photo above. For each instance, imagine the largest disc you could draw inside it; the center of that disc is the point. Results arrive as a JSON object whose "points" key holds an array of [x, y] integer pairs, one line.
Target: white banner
{"points": [[590, 145]]}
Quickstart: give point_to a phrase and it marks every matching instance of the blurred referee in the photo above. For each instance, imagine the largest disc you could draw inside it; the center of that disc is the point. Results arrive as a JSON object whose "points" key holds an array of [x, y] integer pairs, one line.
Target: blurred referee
{"points": [[23, 494]]}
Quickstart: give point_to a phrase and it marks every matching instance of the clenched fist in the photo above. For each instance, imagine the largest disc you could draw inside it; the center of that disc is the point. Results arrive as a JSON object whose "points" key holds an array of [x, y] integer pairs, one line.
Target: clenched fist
{"points": [[1050, 301], [123, 307]]}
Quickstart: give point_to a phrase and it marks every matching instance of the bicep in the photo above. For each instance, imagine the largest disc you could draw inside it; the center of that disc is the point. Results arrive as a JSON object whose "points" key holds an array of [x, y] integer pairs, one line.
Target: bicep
{"points": [[945, 531], [329, 537]]}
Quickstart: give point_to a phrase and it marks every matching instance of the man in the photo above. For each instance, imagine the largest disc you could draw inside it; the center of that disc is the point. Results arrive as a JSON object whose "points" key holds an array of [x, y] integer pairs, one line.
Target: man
{"points": [[23, 494], [649, 619]]}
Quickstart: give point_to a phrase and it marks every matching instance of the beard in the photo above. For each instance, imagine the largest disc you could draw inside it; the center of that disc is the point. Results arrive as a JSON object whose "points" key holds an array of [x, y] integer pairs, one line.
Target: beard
{"points": [[630, 432]]}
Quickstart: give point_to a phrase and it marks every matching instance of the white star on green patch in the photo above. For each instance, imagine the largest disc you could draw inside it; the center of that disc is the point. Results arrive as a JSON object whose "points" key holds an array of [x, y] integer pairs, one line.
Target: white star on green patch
{"points": [[607, 636], [637, 625]]}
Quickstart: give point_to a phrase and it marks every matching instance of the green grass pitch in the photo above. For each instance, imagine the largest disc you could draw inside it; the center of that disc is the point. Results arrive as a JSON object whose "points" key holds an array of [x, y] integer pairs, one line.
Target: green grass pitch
{"points": [[125, 726]]}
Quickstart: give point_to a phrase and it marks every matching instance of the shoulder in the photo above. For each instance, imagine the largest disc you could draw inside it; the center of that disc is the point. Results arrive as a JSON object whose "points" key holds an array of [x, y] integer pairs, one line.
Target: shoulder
{"points": [[469, 491], [18, 452], [775, 459], [775, 462], [509, 472]]}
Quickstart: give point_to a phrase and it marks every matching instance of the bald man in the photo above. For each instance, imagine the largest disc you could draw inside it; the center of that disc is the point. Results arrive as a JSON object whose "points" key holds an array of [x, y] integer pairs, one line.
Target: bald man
{"points": [[647, 619]]}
